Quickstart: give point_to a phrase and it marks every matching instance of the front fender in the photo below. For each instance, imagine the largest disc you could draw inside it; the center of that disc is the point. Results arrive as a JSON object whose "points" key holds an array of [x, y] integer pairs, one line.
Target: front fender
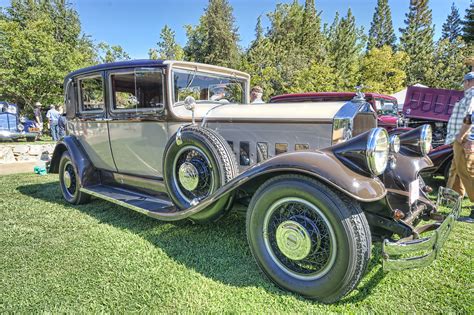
{"points": [[85, 170], [321, 165], [406, 170]]}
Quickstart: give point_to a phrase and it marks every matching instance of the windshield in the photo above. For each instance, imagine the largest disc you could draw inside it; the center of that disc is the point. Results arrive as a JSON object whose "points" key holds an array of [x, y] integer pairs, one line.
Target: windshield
{"points": [[387, 107], [207, 88]]}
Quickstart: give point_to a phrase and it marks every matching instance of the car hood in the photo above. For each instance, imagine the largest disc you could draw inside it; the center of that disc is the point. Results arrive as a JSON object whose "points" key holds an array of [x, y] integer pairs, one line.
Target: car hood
{"points": [[277, 112], [388, 119]]}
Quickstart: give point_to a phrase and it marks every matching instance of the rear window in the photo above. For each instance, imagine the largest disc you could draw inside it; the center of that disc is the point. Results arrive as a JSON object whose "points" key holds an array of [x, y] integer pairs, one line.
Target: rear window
{"points": [[91, 91]]}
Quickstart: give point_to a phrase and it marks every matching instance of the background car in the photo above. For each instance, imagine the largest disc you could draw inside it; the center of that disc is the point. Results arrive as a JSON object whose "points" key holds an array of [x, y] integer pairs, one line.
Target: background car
{"points": [[430, 106], [384, 105], [14, 127]]}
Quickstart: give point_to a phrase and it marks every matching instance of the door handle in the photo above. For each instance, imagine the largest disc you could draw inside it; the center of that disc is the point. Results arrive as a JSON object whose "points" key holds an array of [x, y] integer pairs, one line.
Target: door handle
{"points": [[103, 119]]}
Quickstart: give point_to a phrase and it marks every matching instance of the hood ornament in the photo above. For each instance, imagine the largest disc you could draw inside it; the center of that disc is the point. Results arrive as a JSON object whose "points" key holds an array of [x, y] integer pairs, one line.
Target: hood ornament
{"points": [[360, 96]]}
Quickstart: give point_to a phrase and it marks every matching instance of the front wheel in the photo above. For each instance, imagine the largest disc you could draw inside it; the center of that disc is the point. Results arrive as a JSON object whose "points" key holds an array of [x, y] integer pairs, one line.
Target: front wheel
{"points": [[307, 239]]}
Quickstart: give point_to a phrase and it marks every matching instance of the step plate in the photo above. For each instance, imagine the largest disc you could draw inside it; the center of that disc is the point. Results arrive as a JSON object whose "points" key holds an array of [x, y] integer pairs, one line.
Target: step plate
{"points": [[146, 204]]}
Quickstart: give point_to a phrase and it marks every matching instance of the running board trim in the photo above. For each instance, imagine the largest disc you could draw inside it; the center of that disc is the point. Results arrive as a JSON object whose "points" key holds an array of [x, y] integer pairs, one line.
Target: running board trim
{"points": [[170, 216]]}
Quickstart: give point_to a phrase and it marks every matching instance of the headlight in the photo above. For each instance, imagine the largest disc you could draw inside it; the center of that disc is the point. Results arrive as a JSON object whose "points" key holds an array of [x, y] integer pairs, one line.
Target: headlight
{"points": [[377, 151], [366, 153], [20, 127], [416, 142], [394, 141], [425, 139], [22, 119]]}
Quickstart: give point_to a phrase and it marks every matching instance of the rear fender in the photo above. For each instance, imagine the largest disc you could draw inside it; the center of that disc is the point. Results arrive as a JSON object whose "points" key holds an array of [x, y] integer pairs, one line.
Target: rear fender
{"points": [[85, 170]]}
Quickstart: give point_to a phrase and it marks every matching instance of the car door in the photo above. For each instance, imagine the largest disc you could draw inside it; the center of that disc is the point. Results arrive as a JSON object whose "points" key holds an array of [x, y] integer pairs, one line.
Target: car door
{"points": [[138, 128], [90, 124]]}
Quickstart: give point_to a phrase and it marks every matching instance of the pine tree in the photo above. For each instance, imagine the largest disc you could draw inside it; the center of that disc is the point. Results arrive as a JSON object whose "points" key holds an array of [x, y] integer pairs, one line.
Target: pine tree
{"points": [[214, 39], [448, 64], [381, 31], [346, 42], [452, 27], [468, 25], [417, 41], [311, 39], [168, 48]]}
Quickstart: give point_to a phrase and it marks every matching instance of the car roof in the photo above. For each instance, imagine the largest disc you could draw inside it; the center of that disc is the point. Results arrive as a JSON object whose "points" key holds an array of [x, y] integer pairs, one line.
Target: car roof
{"points": [[327, 94], [115, 65]]}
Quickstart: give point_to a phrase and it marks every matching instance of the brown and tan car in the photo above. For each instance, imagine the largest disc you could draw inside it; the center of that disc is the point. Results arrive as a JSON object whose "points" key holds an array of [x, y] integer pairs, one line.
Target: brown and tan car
{"points": [[178, 140]]}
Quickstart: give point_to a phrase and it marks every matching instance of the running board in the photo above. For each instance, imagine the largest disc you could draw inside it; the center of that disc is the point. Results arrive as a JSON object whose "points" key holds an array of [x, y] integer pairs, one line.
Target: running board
{"points": [[155, 207]]}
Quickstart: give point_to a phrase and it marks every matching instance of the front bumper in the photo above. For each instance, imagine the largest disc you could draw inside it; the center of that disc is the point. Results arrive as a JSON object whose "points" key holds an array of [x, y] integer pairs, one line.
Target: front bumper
{"points": [[12, 135], [420, 252]]}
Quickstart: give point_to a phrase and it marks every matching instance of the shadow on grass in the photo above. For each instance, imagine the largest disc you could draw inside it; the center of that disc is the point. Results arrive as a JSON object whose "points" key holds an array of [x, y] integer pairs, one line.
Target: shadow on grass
{"points": [[217, 250]]}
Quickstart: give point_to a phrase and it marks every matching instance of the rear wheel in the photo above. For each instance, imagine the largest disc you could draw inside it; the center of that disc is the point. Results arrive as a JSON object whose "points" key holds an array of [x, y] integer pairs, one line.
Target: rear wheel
{"points": [[307, 239], [69, 181]]}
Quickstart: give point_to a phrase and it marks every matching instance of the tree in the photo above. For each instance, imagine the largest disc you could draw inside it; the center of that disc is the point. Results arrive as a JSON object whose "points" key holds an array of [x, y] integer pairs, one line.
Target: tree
{"points": [[41, 41], [108, 53], [315, 78], [452, 27], [417, 41], [468, 25], [345, 44], [382, 70], [448, 64], [381, 31], [168, 48], [311, 38], [214, 40]]}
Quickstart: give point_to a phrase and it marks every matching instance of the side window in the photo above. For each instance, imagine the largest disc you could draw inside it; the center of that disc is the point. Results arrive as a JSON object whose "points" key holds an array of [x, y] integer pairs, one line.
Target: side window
{"points": [[91, 94], [140, 89]]}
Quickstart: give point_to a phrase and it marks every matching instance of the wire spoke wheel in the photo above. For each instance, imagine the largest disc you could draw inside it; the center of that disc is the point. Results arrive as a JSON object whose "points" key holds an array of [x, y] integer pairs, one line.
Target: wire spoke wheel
{"points": [[299, 238], [193, 174]]}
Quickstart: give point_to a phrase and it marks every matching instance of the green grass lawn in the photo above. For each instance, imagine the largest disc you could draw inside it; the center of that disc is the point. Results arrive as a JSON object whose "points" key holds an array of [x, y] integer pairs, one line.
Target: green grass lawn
{"points": [[100, 257]]}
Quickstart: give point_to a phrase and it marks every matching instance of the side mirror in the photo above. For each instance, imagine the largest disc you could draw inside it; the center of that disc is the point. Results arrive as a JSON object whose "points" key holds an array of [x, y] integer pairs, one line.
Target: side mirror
{"points": [[190, 104]]}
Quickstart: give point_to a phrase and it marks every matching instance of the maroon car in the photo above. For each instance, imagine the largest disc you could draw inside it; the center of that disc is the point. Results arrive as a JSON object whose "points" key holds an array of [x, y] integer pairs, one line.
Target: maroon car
{"points": [[384, 105]]}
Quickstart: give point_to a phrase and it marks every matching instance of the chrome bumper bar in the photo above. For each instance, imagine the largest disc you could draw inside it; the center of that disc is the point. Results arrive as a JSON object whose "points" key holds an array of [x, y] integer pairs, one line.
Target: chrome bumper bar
{"points": [[420, 252]]}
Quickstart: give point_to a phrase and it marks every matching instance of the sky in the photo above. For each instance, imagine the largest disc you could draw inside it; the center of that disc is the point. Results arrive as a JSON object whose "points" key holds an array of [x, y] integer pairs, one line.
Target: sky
{"points": [[136, 24]]}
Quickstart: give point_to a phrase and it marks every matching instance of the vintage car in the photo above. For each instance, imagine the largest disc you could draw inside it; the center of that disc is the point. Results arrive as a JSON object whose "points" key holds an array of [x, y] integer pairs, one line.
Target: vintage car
{"points": [[430, 106], [14, 127], [177, 140], [384, 105]]}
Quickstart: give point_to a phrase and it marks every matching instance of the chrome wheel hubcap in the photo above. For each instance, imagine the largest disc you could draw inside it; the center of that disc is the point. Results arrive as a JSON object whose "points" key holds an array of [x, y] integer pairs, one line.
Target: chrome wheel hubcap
{"points": [[67, 179], [299, 238], [188, 176], [293, 240]]}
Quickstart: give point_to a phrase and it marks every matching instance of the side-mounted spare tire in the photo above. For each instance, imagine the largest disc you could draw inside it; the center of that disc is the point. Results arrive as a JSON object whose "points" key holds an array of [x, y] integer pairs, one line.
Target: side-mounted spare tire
{"points": [[195, 166]]}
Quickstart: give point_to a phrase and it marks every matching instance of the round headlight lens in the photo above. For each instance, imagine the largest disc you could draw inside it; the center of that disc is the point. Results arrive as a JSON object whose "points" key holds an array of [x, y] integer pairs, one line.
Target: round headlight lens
{"points": [[394, 143], [426, 136], [22, 119], [20, 127], [377, 151]]}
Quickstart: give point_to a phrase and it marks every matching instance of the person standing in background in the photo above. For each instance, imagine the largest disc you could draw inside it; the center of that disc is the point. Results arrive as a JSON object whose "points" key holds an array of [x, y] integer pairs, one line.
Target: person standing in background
{"points": [[62, 123], [461, 135], [256, 95], [53, 119], [38, 117]]}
